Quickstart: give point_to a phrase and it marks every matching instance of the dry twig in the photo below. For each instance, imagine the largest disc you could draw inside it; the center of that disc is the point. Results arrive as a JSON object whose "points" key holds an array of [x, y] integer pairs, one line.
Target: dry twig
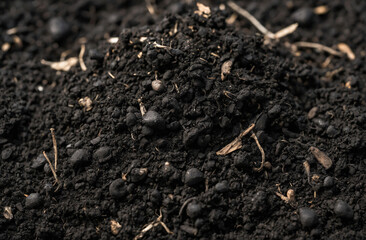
{"points": [[317, 46], [53, 167], [54, 146], [185, 204], [262, 153], [236, 143], [152, 225], [283, 32], [62, 65], [81, 60]]}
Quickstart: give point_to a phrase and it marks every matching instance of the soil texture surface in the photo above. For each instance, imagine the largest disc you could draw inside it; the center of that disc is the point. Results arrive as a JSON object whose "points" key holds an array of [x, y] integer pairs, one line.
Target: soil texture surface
{"points": [[176, 120]]}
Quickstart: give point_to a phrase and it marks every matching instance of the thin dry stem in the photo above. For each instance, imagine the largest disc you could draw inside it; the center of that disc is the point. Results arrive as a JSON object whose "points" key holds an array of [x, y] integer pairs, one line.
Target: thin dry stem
{"points": [[262, 153], [81, 60], [236, 143], [317, 46], [283, 32], [152, 225], [51, 166], [185, 204], [251, 18], [54, 146], [307, 171]]}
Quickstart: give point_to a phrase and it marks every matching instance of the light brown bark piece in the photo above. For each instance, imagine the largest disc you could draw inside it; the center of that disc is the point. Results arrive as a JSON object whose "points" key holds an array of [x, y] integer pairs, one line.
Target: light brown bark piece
{"points": [[322, 158]]}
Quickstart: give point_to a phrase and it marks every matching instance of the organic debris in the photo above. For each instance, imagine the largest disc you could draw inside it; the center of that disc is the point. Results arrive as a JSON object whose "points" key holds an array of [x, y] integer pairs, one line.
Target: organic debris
{"points": [[226, 68], [115, 227], [203, 10], [322, 158], [236, 143], [7, 213], [62, 65], [153, 224], [280, 34], [86, 102], [347, 50]]}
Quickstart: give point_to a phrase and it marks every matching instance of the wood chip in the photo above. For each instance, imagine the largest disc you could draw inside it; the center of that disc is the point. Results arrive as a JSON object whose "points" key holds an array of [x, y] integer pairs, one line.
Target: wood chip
{"points": [[347, 50], [62, 65], [115, 227], [320, 10], [322, 158], [286, 31], [5, 47], [7, 213], [236, 143], [226, 69], [113, 40], [312, 112], [86, 102], [203, 10]]}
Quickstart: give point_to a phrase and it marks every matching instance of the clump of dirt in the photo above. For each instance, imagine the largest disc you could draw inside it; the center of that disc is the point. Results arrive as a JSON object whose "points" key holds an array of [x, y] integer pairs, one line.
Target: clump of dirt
{"points": [[139, 134]]}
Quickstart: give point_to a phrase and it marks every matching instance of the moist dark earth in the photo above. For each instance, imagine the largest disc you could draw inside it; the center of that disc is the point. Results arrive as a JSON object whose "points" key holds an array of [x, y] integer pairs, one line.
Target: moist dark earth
{"points": [[160, 110]]}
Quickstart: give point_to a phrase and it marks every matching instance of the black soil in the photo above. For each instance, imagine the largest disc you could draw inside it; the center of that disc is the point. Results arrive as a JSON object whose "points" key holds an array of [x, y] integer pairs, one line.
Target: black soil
{"points": [[115, 164]]}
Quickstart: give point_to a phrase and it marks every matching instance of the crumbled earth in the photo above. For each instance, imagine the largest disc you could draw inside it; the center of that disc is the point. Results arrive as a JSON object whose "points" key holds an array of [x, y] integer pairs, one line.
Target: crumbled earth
{"points": [[162, 104]]}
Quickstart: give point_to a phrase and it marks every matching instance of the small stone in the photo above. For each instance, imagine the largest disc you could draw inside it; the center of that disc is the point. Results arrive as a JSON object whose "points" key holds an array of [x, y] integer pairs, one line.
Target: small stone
{"points": [[222, 187], [103, 154], [157, 85], [38, 162], [193, 209], [79, 158], [6, 153], [118, 189], [58, 27], [34, 200], [328, 182], [343, 210], [193, 177], [154, 120], [308, 217], [138, 174], [131, 119]]}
